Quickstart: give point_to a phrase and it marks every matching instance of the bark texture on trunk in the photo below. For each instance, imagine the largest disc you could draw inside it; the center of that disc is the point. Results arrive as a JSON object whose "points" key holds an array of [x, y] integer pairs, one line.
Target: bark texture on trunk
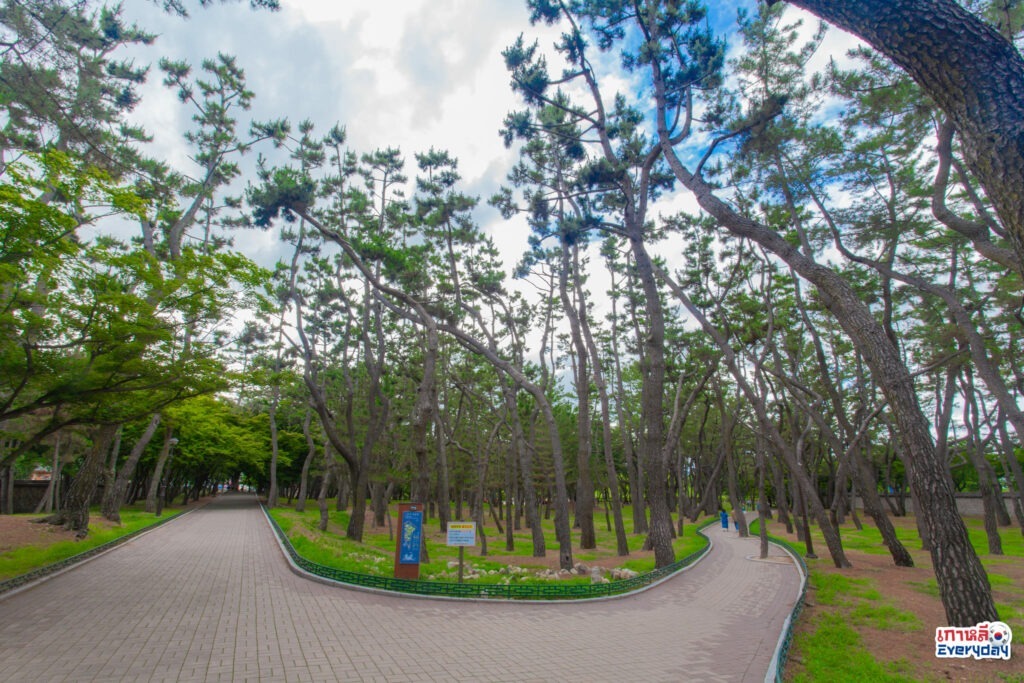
{"points": [[868, 488], [158, 471], [622, 543], [576, 312], [423, 416], [300, 500], [113, 497], [652, 369], [75, 515], [963, 583], [972, 72]]}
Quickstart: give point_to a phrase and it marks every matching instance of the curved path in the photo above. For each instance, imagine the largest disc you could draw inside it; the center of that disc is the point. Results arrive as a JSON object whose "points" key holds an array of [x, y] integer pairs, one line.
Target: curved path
{"points": [[209, 597]]}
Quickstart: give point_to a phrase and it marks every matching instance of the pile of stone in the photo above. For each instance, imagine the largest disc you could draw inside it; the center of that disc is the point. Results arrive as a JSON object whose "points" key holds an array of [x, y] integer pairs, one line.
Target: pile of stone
{"points": [[597, 574]]}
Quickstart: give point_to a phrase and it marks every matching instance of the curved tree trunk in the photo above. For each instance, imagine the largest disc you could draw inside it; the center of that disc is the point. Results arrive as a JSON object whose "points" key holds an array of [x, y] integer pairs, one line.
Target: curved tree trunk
{"points": [[972, 72], [75, 515], [113, 497], [300, 501], [791, 455], [976, 454], [1013, 466], [963, 584], [576, 312], [621, 542], [868, 487], [652, 367], [158, 471]]}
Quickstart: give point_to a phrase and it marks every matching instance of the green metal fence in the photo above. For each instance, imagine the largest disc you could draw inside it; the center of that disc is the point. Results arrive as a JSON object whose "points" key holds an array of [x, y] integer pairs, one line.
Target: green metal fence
{"points": [[553, 591], [29, 577], [786, 639]]}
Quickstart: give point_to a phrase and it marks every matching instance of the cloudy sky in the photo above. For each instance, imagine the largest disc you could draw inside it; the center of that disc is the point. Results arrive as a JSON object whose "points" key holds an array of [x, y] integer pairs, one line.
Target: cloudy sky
{"points": [[411, 74], [402, 73]]}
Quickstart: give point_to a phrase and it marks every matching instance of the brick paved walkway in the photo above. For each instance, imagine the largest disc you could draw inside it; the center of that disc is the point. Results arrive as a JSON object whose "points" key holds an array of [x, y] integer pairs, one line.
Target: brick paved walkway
{"points": [[209, 597]]}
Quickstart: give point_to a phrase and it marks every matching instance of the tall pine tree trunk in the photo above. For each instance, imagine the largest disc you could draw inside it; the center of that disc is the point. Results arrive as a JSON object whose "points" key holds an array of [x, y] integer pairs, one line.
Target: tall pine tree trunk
{"points": [[1013, 466], [114, 496], [621, 542], [524, 453], [963, 584], [575, 312], [75, 515], [443, 485], [652, 406], [300, 500], [868, 487], [158, 471]]}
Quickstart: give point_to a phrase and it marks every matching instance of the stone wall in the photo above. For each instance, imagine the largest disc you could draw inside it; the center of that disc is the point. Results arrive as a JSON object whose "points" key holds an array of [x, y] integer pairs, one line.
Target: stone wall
{"points": [[27, 494]]}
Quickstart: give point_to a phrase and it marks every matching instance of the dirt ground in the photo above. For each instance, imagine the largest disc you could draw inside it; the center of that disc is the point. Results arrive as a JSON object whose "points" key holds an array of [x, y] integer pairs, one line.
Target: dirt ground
{"points": [[19, 531], [917, 648]]}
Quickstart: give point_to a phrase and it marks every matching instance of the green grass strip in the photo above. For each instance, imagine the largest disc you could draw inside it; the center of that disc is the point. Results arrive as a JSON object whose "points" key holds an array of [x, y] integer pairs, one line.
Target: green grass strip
{"points": [[833, 652], [547, 590]]}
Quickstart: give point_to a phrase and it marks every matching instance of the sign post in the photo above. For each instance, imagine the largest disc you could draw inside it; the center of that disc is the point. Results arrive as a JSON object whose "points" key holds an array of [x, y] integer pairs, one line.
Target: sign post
{"points": [[461, 534], [410, 538]]}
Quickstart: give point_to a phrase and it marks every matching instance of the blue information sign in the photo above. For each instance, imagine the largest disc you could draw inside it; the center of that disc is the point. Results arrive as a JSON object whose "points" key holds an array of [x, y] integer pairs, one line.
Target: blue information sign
{"points": [[412, 535]]}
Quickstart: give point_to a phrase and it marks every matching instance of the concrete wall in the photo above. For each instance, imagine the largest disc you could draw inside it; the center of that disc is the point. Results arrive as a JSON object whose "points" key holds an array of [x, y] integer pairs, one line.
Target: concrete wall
{"points": [[968, 504]]}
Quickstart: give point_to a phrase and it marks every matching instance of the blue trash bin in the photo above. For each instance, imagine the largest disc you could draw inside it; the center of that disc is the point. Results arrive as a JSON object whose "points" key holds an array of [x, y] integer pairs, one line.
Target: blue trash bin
{"points": [[725, 519]]}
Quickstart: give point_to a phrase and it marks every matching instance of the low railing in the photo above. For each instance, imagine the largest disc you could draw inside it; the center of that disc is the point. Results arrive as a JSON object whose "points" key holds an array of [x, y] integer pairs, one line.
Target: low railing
{"points": [[511, 591], [778, 665], [35, 574]]}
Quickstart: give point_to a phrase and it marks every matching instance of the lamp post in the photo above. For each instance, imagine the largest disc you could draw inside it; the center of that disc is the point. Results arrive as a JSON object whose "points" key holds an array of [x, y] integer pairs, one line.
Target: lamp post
{"points": [[163, 480]]}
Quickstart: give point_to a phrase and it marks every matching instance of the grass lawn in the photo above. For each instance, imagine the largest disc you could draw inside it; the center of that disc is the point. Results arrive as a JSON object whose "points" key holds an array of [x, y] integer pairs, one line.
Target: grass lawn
{"points": [[876, 621], [375, 554]]}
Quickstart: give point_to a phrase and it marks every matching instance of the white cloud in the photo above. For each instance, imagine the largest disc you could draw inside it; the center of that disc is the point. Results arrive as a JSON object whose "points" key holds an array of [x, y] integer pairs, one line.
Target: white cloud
{"points": [[395, 73]]}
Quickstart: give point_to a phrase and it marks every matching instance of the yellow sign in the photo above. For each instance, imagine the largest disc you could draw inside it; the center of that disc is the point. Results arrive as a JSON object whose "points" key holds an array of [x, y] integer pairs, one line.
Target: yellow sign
{"points": [[461, 533]]}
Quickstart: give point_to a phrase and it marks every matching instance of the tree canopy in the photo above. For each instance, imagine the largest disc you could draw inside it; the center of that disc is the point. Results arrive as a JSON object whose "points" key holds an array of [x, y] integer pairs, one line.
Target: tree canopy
{"points": [[751, 272]]}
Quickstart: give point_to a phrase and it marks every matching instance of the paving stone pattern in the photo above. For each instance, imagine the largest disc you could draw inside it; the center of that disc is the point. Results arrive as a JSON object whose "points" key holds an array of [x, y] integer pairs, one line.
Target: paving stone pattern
{"points": [[209, 597]]}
